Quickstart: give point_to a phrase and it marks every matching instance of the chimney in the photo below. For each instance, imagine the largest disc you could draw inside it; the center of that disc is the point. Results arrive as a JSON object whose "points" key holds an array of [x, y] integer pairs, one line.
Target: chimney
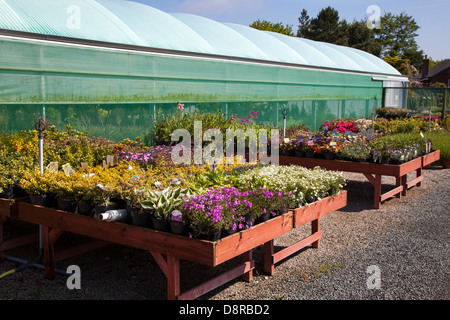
{"points": [[425, 66]]}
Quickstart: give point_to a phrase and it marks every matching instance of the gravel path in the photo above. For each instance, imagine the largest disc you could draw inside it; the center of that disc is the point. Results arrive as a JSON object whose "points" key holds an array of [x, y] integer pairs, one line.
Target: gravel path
{"points": [[407, 241]]}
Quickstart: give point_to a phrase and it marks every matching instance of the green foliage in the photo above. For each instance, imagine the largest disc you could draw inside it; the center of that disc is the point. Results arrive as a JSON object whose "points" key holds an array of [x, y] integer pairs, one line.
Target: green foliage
{"points": [[404, 125], [165, 124], [273, 27], [397, 34], [441, 141], [391, 112], [325, 27], [162, 203]]}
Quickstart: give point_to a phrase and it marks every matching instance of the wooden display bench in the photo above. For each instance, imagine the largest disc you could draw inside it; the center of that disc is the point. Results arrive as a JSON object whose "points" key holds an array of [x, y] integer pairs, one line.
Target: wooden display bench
{"points": [[373, 172], [9, 208], [428, 159], [168, 249]]}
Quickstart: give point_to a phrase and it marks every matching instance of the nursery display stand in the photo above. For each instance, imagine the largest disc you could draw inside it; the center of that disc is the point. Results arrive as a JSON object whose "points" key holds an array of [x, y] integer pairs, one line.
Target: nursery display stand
{"points": [[373, 172], [9, 208], [168, 249]]}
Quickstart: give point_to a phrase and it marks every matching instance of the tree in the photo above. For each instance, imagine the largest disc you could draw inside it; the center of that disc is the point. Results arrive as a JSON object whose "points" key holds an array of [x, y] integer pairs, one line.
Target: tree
{"points": [[326, 27], [397, 37], [304, 23], [363, 38], [274, 27], [404, 66]]}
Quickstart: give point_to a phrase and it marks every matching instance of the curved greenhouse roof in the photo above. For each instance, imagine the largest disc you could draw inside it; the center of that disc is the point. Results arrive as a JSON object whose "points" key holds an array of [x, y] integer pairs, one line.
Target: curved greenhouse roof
{"points": [[135, 24]]}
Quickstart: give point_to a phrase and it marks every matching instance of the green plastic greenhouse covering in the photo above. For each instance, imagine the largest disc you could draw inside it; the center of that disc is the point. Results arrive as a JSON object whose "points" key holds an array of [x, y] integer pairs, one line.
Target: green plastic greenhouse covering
{"points": [[108, 66]]}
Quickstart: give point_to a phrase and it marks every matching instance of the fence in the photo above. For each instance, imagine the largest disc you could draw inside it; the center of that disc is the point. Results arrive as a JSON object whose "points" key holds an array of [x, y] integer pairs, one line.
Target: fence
{"points": [[117, 121], [418, 100]]}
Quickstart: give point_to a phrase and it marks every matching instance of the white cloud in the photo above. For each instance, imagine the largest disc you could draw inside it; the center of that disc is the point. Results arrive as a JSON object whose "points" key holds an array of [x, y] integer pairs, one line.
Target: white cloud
{"points": [[217, 7]]}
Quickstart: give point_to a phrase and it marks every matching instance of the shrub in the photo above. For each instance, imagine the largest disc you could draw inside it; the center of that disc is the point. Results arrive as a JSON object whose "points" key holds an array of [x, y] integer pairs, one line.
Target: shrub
{"points": [[392, 113]]}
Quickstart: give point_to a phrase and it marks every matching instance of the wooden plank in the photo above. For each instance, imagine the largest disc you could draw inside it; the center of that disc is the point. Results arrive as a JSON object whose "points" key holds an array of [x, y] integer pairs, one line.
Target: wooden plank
{"points": [[74, 251], [414, 182], [137, 237], [216, 282], [5, 208], [161, 261], [410, 166], [247, 240], [430, 158], [284, 253], [341, 165], [9, 207], [19, 242], [393, 192], [319, 209]]}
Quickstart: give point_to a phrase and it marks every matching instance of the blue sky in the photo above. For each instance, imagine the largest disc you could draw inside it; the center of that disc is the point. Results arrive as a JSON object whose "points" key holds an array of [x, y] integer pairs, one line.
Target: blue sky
{"points": [[431, 15]]}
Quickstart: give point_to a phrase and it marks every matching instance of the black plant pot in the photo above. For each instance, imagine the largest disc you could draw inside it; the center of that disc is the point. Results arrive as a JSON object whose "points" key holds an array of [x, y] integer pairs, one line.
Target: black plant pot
{"points": [[13, 193], [309, 154], [263, 218], [43, 200], [67, 205], [177, 227], [85, 209], [140, 219], [229, 232], [160, 224], [212, 235], [300, 154], [329, 156]]}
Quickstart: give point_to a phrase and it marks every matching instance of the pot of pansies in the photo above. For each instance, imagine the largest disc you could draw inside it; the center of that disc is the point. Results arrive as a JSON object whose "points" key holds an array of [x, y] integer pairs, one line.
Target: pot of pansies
{"points": [[39, 187]]}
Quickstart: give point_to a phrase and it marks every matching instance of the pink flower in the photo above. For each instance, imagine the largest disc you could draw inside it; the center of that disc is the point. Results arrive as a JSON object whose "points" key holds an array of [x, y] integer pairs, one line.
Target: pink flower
{"points": [[180, 106]]}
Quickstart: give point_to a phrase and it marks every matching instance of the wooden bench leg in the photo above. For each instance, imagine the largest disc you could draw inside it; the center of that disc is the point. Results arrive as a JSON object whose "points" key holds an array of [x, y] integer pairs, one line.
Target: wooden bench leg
{"points": [[398, 183], [315, 228], [377, 192], [419, 173], [405, 185], [269, 265], [173, 277], [247, 257], [49, 253], [2, 253]]}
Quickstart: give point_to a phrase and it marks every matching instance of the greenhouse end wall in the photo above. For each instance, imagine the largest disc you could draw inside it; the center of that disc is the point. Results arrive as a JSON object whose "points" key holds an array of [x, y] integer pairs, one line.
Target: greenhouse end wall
{"points": [[114, 93]]}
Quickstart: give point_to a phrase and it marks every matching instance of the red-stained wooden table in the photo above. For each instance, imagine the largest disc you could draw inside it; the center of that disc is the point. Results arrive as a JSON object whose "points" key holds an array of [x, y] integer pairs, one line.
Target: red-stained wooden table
{"points": [[374, 172], [10, 209], [168, 249]]}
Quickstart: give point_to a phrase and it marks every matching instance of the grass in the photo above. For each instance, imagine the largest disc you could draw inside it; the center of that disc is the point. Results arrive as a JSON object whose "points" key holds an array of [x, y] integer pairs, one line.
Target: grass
{"points": [[441, 141]]}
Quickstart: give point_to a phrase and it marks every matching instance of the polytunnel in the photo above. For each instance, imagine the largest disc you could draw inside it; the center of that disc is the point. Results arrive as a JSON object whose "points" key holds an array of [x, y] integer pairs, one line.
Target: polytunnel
{"points": [[109, 66]]}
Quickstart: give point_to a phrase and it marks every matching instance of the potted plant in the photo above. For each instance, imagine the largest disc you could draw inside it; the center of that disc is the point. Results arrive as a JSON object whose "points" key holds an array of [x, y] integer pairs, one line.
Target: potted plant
{"points": [[39, 187], [68, 190], [161, 203]]}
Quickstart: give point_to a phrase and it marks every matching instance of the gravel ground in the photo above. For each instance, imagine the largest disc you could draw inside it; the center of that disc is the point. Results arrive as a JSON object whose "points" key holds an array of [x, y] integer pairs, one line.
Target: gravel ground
{"points": [[407, 240]]}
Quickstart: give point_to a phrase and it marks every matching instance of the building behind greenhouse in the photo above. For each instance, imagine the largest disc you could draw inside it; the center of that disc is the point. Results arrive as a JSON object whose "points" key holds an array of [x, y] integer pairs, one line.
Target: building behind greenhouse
{"points": [[108, 66]]}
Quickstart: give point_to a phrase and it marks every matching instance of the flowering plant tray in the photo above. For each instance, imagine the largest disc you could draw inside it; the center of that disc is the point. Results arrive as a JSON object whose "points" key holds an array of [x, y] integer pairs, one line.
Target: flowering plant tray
{"points": [[168, 249]]}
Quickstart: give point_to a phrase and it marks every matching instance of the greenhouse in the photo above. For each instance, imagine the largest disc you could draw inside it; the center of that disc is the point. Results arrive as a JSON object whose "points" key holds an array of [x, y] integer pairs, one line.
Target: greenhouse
{"points": [[109, 66]]}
